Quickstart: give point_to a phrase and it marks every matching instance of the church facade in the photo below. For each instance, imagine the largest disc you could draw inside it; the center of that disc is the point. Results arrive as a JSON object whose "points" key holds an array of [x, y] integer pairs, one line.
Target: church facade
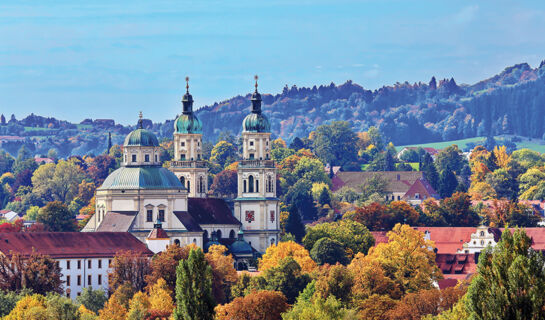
{"points": [[163, 206]]}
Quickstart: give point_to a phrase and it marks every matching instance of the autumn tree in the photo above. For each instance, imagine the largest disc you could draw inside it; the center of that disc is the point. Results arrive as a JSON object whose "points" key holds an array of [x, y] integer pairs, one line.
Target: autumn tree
{"points": [[57, 182], [225, 183], [56, 217], [328, 251], [36, 272], [426, 302], [160, 300], [223, 272], [93, 300], [163, 265], [194, 299], [100, 168], [223, 153], [335, 143], [29, 307], [286, 277], [61, 307], [129, 267], [336, 281], [276, 253], [260, 305], [114, 309], [139, 307], [510, 283], [294, 225]]}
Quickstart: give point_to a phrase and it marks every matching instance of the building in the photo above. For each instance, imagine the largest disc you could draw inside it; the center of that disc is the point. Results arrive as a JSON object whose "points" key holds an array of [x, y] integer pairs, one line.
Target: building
{"points": [[162, 206], [83, 258], [410, 186], [9, 215], [431, 151]]}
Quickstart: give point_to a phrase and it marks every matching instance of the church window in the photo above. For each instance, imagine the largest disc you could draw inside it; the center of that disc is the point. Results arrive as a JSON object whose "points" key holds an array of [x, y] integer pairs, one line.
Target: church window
{"points": [[482, 233], [156, 158], [251, 143], [232, 234], [162, 215], [182, 157], [250, 216], [252, 156], [269, 184], [183, 143], [201, 184], [257, 186], [188, 186], [182, 180], [198, 144], [245, 186], [194, 241], [272, 215], [251, 184], [133, 158], [146, 158], [198, 156], [149, 215]]}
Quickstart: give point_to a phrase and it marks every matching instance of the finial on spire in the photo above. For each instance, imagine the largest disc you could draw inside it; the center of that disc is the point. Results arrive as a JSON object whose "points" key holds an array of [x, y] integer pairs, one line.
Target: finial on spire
{"points": [[187, 84], [140, 122], [256, 77]]}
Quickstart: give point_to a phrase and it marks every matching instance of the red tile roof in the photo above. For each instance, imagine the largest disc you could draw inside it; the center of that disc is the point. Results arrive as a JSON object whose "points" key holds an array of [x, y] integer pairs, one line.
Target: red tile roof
{"points": [[71, 244], [380, 236], [447, 283], [449, 239], [423, 188], [158, 233]]}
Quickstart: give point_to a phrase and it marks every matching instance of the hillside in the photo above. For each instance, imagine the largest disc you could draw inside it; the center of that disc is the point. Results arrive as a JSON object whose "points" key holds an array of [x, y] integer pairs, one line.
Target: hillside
{"points": [[512, 102]]}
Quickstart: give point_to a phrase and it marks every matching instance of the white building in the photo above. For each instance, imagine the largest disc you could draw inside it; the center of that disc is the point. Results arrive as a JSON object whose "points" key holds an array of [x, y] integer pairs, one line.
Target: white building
{"points": [[83, 258]]}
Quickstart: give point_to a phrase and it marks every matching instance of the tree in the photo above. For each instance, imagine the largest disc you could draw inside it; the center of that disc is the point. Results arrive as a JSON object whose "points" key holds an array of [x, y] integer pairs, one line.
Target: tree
{"points": [[447, 183], [505, 185], [163, 265], [225, 183], [286, 277], [36, 272], [194, 299], [160, 300], [325, 197], [300, 195], [139, 306], [61, 308], [223, 272], [100, 168], [328, 251], [113, 310], [376, 138], [57, 182], [29, 307], [8, 300], [407, 259], [426, 302], [260, 305], [223, 153], [430, 171], [335, 143], [336, 281], [353, 236], [93, 300], [56, 217], [294, 225], [510, 283], [277, 253], [131, 268]]}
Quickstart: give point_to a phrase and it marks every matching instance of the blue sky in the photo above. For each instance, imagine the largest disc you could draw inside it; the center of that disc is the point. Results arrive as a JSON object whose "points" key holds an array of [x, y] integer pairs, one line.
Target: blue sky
{"points": [[110, 59]]}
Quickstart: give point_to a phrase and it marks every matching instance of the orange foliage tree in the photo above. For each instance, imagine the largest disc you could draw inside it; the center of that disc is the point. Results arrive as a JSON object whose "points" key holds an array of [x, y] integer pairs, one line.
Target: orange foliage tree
{"points": [[261, 305], [276, 253], [223, 272], [163, 265]]}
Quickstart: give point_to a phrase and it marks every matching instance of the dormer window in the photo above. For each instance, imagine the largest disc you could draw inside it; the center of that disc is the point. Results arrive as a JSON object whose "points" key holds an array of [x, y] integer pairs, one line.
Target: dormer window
{"points": [[133, 158]]}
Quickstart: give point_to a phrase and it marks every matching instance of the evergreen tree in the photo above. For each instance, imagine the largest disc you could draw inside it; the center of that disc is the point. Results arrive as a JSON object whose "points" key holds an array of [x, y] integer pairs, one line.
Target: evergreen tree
{"points": [[447, 183], [324, 198], [294, 224], [510, 283], [430, 172], [194, 300]]}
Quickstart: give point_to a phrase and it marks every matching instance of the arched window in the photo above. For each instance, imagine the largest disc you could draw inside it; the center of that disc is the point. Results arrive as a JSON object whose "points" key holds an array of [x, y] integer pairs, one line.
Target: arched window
{"points": [[182, 180], [232, 234], [177, 242], [195, 241], [257, 186], [205, 236], [188, 186], [218, 233], [482, 233], [201, 184], [245, 186], [272, 241], [251, 184], [269, 184]]}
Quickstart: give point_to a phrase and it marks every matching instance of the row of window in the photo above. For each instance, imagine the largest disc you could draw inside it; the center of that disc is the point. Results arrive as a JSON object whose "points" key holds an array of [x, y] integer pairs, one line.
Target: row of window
{"points": [[160, 215], [252, 184], [133, 158], [89, 280], [201, 185], [183, 157], [89, 264]]}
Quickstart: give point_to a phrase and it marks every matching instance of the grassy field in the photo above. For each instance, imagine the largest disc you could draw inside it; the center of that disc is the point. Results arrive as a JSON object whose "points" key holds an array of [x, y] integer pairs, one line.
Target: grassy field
{"points": [[534, 144]]}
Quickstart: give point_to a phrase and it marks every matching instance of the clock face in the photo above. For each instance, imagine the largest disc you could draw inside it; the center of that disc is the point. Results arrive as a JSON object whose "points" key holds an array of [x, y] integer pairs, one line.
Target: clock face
{"points": [[250, 216]]}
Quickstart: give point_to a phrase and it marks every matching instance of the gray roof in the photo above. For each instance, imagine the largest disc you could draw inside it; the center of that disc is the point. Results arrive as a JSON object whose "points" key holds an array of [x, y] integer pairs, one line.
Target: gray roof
{"points": [[143, 177], [117, 221], [398, 181]]}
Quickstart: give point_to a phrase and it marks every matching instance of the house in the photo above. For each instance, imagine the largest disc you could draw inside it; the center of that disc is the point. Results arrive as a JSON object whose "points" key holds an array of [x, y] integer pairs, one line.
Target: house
{"points": [[8, 139], [83, 257], [431, 151], [9, 215], [39, 160], [410, 186]]}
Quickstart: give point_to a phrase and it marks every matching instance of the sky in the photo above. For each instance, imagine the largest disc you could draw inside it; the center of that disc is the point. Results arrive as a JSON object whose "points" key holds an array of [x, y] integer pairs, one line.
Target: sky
{"points": [[111, 59]]}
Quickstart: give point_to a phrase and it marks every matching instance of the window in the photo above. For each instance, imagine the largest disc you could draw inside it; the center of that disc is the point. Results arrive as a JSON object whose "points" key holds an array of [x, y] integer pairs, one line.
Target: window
{"points": [[272, 215], [67, 281], [68, 294], [272, 241], [79, 264], [201, 185], [109, 263], [257, 186], [398, 198], [251, 184], [417, 195], [89, 278], [146, 158], [218, 233], [149, 215], [79, 280], [245, 186], [89, 264], [189, 186], [78, 294], [198, 144], [482, 233], [100, 263], [482, 242], [269, 184], [182, 157], [182, 143], [68, 264], [251, 156], [162, 215], [232, 234], [177, 242], [251, 143], [156, 158], [133, 158], [182, 180], [100, 279]]}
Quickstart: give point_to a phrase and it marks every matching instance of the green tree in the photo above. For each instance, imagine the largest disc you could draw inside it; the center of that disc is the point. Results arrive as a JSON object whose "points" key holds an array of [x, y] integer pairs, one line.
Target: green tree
{"points": [[447, 183], [328, 251], [286, 278], [6, 162], [324, 198], [300, 195], [56, 217], [57, 182], [510, 283], [194, 299], [376, 138], [93, 300], [450, 158], [335, 143], [430, 171], [294, 225], [61, 308], [223, 153], [8, 300]]}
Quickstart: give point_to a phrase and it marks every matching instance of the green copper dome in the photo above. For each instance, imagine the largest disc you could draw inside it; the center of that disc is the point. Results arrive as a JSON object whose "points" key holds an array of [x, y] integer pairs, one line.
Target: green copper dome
{"points": [[141, 137], [188, 123], [256, 122], [145, 177]]}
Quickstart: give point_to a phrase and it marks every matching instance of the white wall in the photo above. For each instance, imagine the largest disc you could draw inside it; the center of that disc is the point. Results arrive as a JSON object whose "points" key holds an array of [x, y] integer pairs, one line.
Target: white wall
{"points": [[84, 271]]}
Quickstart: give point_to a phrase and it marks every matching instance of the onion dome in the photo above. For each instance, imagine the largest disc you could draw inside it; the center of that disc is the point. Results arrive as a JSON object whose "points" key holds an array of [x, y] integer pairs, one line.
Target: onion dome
{"points": [[213, 241], [141, 137], [188, 121], [240, 246], [145, 177], [256, 121]]}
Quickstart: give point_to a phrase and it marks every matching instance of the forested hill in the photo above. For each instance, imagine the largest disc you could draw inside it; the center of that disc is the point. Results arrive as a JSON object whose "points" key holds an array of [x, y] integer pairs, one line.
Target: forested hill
{"points": [[510, 102]]}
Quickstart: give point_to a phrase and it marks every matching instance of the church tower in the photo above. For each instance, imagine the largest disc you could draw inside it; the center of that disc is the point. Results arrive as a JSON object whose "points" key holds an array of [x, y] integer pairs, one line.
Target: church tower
{"points": [[256, 205], [188, 164]]}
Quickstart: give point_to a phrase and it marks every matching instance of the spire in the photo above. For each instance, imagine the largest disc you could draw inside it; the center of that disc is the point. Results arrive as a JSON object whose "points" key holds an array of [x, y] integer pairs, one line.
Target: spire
{"points": [[140, 122], [256, 98], [187, 100]]}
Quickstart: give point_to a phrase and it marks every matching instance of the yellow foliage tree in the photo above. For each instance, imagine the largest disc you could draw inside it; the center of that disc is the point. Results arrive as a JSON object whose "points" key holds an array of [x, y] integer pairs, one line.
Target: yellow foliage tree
{"points": [[31, 307], [502, 158], [113, 310], [370, 279], [159, 297], [479, 171], [317, 188], [279, 143], [86, 314], [408, 259], [482, 191], [223, 272], [282, 250]]}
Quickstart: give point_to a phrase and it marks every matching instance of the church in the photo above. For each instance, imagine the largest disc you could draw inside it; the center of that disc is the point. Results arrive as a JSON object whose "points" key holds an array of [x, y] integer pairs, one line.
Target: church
{"points": [[161, 206]]}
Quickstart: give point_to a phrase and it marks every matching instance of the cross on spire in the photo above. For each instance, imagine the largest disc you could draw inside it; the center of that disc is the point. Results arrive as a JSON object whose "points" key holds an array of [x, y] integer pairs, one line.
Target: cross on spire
{"points": [[140, 123], [187, 84], [256, 77]]}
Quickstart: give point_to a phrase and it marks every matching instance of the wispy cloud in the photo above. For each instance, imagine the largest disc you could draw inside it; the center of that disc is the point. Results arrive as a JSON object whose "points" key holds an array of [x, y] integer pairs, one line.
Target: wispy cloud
{"points": [[466, 15]]}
